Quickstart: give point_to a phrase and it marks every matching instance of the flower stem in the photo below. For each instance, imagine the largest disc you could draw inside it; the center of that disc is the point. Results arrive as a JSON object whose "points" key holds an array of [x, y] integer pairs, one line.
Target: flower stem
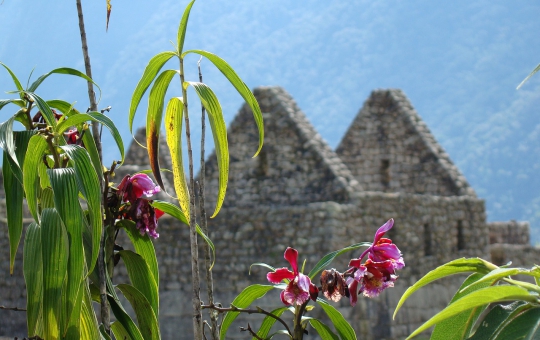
{"points": [[196, 285]]}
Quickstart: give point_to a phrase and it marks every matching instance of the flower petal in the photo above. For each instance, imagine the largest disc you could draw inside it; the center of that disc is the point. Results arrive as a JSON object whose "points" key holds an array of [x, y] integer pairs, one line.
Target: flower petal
{"points": [[279, 275], [383, 229], [291, 255], [353, 292], [303, 282]]}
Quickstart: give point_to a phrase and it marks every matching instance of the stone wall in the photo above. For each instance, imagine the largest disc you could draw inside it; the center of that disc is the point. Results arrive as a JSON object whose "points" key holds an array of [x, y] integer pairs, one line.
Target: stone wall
{"points": [[511, 232]]}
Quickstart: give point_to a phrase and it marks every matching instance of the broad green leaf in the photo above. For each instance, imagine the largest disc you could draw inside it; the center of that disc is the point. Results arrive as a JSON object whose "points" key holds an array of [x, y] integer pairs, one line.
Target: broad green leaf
{"points": [[343, 328], [268, 322], [143, 246], [324, 331], [63, 106], [524, 326], [243, 300], [497, 318], [15, 80], [54, 249], [154, 65], [219, 132], [34, 155], [477, 298], [141, 277], [14, 201], [105, 336], [7, 140], [88, 184], [62, 70], [451, 268], [66, 201], [46, 111], [494, 276], [128, 327], [147, 320], [33, 277], [240, 86], [18, 102], [536, 69], [90, 146], [459, 326], [182, 28], [173, 126], [328, 258], [89, 324], [154, 119]]}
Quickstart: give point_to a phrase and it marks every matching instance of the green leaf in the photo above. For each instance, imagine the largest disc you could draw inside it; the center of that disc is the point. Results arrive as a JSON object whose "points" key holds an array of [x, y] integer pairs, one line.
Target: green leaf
{"points": [[497, 318], [268, 322], [14, 210], [91, 148], [15, 80], [89, 328], [62, 70], [459, 326], [494, 276], [328, 258], [54, 249], [451, 268], [524, 326], [63, 106], [476, 299], [243, 300], [154, 119], [18, 102], [141, 277], [88, 184], [173, 126], [154, 66], [343, 328], [7, 140], [324, 331], [219, 132], [262, 265], [66, 201], [127, 326], [536, 69], [240, 86], [34, 156], [148, 323], [33, 277], [143, 246], [182, 27], [46, 111]]}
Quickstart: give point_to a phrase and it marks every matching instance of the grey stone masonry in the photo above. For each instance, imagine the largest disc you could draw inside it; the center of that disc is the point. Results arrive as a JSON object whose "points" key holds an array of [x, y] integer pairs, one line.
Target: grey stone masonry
{"points": [[510, 232]]}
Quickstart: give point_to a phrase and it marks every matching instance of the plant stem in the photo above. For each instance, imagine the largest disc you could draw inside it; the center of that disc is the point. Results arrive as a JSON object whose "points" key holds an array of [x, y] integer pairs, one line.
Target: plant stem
{"points": [[196, 284], [204, 225]]}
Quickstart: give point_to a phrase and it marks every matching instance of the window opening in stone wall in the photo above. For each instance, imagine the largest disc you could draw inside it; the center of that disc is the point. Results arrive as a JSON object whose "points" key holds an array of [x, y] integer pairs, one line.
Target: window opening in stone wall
{"points": [[460, 236], [427, 241], [385, 173]]}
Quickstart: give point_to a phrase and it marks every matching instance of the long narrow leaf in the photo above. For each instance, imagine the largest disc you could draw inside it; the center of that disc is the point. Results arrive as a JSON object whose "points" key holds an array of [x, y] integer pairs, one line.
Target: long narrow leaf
{"points": [[240, 86], [61, 70], [128, 326], [45, 110], [344, 329], [324, 331], [182, 27], [14, 210], [154, 65], [33, 277], [219, 132], [268, 322], [496, 320], [7, 140], [63, 106], [536, 69], [173, 126], [89, 328], [154, 118], [15, 80], [328, 258], [147, 320], [18, 102], [243, 300], [54, 248], [34, 156]]}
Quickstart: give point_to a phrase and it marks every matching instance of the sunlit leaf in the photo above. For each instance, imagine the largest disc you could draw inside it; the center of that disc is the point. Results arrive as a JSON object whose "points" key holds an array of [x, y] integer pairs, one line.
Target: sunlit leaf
{"points": [[45, 110], [109, 9], [324, 331], [536, 69], [18, 102], [61, 70], [7, 142], [33, 277], [343, 328], [219, 132], [62, 106], [497, 318], [34, 156], [328, 258], [147, 320], [240, 86], [89, 324], [182, 27], [15, 80], [124, 326], [243, 300], [268, 322]]}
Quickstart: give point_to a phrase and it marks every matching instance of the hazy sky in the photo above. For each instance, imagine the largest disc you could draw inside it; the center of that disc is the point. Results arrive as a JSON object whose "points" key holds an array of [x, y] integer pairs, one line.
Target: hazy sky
{"points": [[458, 62]]}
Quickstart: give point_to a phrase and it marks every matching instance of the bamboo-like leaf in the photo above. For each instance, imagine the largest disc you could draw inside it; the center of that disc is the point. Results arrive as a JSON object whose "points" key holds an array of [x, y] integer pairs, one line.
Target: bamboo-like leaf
{"points": [[45, 110], [154, 119], [459, 326], [18, 102], [15, 80], [127, 326], [105, 336], [147, 320], [34, 155], [451, 268], [182, 27], [89, 325], [219, 132], [88, 184], [141, 277], [324, 331], [173, 126], [66, 201], [62, 106], [328, 258], [243, 300], [33, 277], [154, 66], [526, 325], [54, 248], [344, 329], [143, 246], [90, 146], [536, 69], [7, 141], [268, 322], [494, 276], [14, 201], [62, 70], [240, 86], [477, 298], [497, 318]]}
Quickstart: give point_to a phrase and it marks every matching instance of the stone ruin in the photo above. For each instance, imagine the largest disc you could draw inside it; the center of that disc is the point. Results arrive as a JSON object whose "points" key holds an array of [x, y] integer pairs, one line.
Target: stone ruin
{"points": [[301, 193]]}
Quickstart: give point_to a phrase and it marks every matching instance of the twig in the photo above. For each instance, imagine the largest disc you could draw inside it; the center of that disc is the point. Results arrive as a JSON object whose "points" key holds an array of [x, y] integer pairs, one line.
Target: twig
{"points": [[259, 310], [16, 309], [251, 332]]}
